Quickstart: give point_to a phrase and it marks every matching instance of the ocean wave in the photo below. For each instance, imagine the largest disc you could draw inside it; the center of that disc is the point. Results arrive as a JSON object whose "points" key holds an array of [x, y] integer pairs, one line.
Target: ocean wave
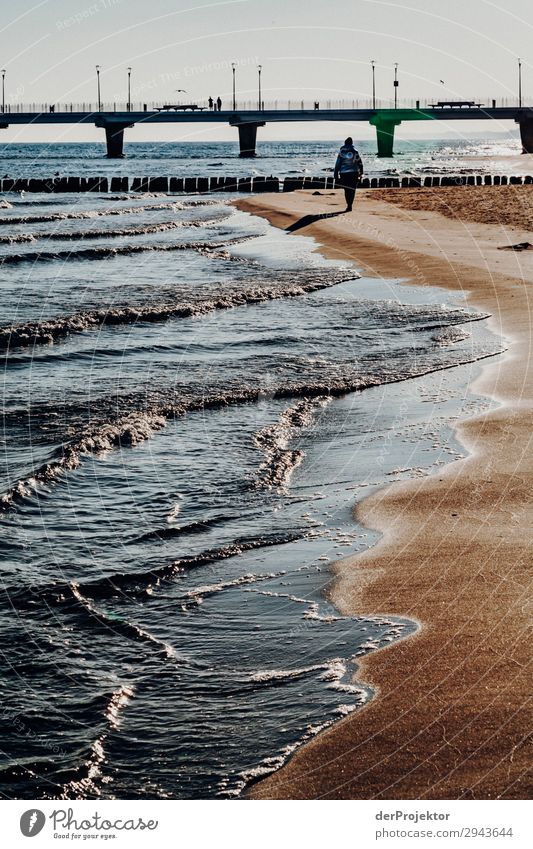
{"points": [[274, 440], [138, 230], [173, 531], [14, 238], [104, 252], [146, 582], [84, 782], [450, 336], [130, 430], [199, 593], [10, 220], [141, 583], [235, 785], [136, 426], [119, 625], [267, 676], [46, 332]]}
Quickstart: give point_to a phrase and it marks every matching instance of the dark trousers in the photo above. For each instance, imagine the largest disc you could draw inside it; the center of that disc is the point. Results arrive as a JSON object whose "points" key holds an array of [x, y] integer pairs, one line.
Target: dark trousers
{"points": [[348, 182]]}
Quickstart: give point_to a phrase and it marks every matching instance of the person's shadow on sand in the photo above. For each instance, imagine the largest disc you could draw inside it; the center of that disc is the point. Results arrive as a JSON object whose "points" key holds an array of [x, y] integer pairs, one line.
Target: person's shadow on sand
{"points": [[311, 219]]}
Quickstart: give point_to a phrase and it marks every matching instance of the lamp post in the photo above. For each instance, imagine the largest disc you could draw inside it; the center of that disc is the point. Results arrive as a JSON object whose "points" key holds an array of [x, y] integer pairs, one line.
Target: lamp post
{"points": [[129, 90], [259, 69], [3, 90], [519, 83], [233, 66], [396, 84], [98, 85], [373, 84]]}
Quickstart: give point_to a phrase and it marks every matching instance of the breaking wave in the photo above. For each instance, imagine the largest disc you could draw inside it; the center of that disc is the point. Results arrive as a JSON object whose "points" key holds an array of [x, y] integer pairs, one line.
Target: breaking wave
{"points": [[136, 230], [102, 252], [84, 214], [46, 332], [274, 441], [134, 427]]}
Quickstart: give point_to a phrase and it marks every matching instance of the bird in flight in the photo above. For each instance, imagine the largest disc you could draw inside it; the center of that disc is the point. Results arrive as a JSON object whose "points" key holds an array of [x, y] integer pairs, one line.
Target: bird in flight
{"points": [[181, 89]]}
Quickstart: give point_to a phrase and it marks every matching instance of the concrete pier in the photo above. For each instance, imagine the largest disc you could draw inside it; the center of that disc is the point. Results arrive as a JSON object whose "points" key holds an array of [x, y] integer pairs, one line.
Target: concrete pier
{"points": [[526, 132], [248, 120]]}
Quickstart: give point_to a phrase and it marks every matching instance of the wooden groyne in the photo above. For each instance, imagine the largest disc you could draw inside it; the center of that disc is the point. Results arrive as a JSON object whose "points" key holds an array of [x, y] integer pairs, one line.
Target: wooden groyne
{"points": [[204, 185]]}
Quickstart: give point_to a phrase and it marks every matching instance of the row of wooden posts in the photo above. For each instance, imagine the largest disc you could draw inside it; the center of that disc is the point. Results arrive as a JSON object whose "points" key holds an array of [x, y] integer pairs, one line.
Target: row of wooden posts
{"points": [[191, 185]]}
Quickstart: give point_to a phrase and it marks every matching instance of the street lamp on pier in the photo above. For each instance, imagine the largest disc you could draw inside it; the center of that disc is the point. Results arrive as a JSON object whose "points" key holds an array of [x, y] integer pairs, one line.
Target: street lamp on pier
{"points": [[129, 90], [373, 84], [98, 85], [396, 84], [3, 90], [519, 83], [233, 66], [259, 69]]}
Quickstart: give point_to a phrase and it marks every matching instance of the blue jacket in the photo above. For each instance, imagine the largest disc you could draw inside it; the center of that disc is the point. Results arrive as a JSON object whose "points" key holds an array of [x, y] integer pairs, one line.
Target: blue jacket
{"points": [[348, 161]]}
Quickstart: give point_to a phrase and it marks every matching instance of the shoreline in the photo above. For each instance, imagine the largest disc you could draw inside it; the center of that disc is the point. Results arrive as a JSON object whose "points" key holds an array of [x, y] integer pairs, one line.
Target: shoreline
{"points": [[454, 545]]}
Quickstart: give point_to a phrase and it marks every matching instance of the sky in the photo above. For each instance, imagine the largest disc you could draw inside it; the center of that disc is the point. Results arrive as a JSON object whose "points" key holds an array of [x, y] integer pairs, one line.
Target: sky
{"points": [[308, 49]]}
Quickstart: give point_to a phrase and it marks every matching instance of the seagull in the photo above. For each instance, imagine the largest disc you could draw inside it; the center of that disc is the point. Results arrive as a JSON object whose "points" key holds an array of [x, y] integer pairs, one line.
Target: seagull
{"points": [[441, 81], [184, 90]]}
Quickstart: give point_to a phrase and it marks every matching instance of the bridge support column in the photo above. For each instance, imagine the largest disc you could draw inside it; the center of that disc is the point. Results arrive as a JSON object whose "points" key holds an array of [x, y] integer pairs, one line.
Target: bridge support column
{"points": [[248, 138], [526, 133], [115, 142], [114, 136], [385, 134]]}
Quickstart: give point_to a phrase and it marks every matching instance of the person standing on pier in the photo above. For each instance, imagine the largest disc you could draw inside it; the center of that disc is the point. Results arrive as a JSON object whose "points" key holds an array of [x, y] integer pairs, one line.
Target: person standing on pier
{"points": [[348, 171], [210, 101], [219, 104]]}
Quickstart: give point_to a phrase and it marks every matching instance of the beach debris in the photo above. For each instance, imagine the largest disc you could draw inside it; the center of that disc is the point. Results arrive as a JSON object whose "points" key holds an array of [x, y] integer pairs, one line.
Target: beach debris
{"points": [[521, 246]]}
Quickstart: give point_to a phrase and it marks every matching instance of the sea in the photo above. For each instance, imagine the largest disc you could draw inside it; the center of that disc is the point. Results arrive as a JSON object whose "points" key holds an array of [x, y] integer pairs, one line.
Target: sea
{"points": [[193, 405]]}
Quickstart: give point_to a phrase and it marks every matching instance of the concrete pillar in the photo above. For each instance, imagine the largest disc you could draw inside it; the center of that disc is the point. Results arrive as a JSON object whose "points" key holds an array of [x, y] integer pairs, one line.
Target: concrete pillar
{"points": [[526, 133], [247, 138], [385, 133], [114, 136], [385, 139]]}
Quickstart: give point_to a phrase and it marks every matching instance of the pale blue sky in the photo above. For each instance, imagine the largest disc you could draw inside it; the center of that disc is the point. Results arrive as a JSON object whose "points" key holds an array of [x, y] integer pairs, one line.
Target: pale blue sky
{"points": [[308, 48]]}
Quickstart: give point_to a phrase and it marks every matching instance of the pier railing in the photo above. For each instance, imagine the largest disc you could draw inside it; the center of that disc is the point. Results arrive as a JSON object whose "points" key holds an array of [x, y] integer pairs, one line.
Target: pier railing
{"points": [[292, 104]]}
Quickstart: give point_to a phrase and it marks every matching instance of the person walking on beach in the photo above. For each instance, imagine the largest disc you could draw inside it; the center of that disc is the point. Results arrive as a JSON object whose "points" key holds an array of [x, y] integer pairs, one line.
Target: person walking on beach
{"points": [[348, 171], [219, 104]]}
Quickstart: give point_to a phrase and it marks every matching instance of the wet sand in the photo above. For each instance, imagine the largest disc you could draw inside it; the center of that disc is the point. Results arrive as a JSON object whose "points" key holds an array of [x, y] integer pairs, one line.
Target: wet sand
{"points": [[451, 718]]}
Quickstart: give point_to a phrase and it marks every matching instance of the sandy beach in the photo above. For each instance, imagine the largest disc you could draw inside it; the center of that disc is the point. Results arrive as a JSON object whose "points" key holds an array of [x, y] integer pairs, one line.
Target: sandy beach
{"points": [[451, 717]]}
